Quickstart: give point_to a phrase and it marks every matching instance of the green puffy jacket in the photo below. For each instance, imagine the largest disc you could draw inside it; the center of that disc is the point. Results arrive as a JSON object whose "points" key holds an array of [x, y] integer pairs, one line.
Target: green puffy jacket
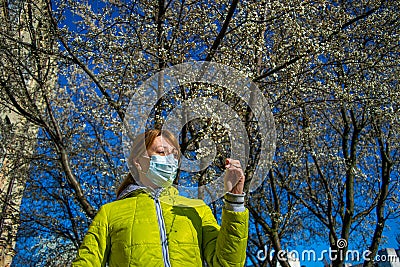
{"points": [[132, 232]]}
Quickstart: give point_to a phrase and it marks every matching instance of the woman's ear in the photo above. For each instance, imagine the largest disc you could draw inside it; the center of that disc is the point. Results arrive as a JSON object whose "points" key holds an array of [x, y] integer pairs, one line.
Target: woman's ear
{"points": [[137, 165], [142, 163]]}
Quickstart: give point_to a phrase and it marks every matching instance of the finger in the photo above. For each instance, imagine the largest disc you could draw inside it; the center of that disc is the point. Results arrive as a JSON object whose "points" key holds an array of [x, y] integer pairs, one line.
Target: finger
{"points": [[235, 165], [232, 167], [232, 163]]}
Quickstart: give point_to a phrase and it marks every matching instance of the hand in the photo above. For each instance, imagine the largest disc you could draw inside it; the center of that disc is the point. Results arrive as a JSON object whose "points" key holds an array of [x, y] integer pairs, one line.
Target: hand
{"points": [[234, 177]]}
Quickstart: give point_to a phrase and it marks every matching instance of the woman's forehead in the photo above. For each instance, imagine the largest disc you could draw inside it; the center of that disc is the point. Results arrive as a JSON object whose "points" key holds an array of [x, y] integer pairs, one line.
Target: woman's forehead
{"points": [[161, 141]]}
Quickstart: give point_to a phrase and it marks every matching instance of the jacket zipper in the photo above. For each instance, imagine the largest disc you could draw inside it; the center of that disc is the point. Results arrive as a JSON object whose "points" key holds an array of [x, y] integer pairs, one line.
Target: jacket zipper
{"points": [[163, 233]]}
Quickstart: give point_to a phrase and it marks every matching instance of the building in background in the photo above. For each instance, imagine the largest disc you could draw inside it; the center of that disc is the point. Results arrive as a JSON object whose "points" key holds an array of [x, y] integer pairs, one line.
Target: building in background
{"points": [[21, 83], [11, 190]]}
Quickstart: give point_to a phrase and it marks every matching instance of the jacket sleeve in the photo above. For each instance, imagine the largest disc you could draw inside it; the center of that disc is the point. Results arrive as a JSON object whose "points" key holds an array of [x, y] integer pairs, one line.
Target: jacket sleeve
{"points": [[95, 245], [225, 245]]}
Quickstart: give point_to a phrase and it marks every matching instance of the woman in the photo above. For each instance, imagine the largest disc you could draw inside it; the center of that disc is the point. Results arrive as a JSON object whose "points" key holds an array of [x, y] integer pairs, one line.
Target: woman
{"points": [[151, 225]]}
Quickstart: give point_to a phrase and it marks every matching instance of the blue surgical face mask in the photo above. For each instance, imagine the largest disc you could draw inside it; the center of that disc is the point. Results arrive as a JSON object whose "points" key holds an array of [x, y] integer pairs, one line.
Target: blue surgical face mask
{"points": [[162, 170]]}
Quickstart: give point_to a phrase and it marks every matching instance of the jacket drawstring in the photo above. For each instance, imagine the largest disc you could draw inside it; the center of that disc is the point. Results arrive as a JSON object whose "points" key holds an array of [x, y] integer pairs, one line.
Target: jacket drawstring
{"points": [[163, 232]]}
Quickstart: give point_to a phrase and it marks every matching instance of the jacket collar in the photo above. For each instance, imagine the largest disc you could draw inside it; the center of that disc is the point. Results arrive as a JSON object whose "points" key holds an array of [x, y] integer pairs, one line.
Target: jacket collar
{"points": [[155, 193], [130, 189]]}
